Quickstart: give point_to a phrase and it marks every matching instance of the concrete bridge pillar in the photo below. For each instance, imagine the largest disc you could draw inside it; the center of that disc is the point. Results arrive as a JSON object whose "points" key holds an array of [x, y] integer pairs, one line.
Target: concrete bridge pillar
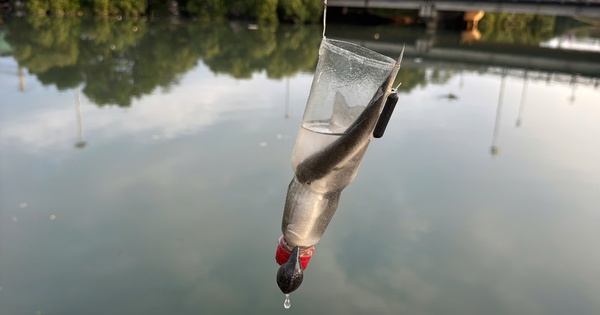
{"points": [[472, 18]]}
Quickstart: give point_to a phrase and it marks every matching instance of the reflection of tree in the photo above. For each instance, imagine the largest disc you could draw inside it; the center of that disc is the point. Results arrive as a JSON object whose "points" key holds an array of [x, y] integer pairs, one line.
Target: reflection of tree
{"points": [[155, 59], [280, 51], [297, 50], [115, 61], [238, 51], [415, 76], [440, 76], [517, 28], [43, 43], [410, 79]]}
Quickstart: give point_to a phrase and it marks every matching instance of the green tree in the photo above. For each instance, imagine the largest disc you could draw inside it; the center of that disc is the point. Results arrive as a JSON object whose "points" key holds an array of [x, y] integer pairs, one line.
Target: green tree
{"points": [[205, 9], [300, 11], [128, 7], [517, 28], [54, 7], [40, 7], [61, 7], [158, 7], [41, 43], [100, 7], [119, 60], [410, 78], [297, 49], [266, 11]]}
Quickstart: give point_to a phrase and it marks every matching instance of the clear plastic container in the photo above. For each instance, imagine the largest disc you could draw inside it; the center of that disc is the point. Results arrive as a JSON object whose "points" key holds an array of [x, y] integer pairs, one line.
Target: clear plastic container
{"points": [[331, 141]]}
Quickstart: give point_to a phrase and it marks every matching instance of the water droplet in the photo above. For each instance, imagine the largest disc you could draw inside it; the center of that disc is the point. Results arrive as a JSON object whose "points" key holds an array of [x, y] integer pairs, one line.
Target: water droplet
{"points": [[52, 217], [287, 303], [23, 205]]}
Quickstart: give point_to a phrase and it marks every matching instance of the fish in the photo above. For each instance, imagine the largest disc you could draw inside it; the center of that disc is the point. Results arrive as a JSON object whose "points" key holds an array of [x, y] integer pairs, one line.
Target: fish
{"points": [[301, 217], [354, 141]]}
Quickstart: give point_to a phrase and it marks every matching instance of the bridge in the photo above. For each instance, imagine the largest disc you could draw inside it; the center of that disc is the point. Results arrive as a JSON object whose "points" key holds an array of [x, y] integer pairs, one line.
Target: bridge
{"points": [[430, 9]]}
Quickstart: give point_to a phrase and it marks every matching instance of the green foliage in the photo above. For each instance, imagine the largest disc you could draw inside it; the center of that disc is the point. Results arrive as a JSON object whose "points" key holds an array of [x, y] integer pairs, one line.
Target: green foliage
{"points": [[297, 50], [517, 28], [241, 8], [101, 7], [97, 7], [300, 11], [118, 60], [61, 7], [43, 43], [158, 7], [128, 7], [205, 9], [266, 11], [410, 79], [39, 7], [54, 7], [262, 11]]}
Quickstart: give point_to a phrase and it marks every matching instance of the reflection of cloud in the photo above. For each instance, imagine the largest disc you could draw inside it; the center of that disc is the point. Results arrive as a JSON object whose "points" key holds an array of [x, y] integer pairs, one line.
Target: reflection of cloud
{"points": [[414, 227], [571, 42], [198, 102], [461, 234]]}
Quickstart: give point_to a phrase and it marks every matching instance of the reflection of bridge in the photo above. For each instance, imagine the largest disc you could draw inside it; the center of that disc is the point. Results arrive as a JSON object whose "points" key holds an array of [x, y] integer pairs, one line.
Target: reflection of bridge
{"points": [[552, 64], [429, 8]]}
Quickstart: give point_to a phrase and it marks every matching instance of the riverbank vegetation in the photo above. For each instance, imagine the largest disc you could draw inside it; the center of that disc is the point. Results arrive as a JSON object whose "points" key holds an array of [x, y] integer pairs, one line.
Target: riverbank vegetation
{"points": [[117, 60], [262, 11], [512, 28]]}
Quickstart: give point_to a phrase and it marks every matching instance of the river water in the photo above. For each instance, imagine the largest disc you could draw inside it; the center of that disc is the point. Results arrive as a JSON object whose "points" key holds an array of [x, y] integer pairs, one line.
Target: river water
{"points": [[144, 167]]}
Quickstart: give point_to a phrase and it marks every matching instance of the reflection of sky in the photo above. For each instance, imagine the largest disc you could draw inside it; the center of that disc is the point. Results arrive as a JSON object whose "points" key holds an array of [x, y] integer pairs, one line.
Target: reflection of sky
{"points": [[187, 221], [573, 42], [198, 102], [465, 232]]}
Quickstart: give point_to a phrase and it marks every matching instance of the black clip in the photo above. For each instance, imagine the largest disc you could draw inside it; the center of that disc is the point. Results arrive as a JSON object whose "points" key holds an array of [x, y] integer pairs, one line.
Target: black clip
{"points": [[386, 114]]}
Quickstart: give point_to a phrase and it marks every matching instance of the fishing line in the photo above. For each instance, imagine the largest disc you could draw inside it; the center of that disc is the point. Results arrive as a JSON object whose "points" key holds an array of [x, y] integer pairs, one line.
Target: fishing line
{"points": [[324, 16]]}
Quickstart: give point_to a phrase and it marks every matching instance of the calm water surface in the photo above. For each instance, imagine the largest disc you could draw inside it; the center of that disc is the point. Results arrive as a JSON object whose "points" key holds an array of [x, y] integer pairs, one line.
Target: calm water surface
{"points": [[144, 167]]}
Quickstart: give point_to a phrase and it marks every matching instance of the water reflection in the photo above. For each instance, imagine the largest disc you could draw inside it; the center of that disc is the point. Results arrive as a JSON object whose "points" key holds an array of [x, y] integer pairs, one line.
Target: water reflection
{"points": [[495, 150], [157, 225], [115, 61], [119, 60], [582, 38], [517, 29], [80, 144]]}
